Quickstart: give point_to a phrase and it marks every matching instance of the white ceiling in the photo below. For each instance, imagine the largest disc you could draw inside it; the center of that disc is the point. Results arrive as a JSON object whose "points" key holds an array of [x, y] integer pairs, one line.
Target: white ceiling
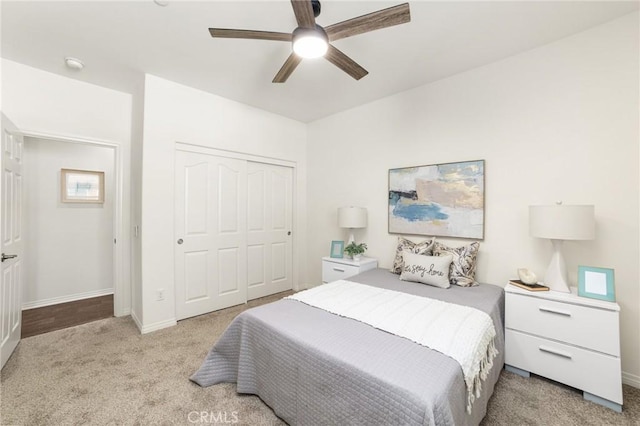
{"points": [[118, 41]]}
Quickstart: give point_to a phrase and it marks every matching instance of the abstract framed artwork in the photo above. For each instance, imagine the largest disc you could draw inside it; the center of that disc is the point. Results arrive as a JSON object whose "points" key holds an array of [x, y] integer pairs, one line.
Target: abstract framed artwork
{"points": [[81, 186], [445, 200], [596, 283]]}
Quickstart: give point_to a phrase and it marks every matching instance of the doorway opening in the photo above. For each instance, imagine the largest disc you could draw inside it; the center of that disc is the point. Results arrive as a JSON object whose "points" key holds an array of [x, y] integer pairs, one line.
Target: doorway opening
{"points": [[70, 247]]}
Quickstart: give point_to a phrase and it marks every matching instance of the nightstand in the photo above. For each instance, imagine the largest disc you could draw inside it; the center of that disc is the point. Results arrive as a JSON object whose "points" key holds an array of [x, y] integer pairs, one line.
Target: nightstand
{"points": [[339, 269], [570, 339]]}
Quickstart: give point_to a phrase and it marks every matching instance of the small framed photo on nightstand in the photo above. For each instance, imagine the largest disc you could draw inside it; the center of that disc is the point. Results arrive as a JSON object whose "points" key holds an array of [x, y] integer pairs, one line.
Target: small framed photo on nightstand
{"points": [[337, 249], [596, 283]]}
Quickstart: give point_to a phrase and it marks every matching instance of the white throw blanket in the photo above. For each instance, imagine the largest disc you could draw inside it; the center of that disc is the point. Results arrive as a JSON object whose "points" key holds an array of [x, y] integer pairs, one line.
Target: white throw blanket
{"points": [[460, 332]]}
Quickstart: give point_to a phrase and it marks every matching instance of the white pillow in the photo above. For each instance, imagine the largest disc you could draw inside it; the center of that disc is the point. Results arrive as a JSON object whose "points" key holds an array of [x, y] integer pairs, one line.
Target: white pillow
{"points": [[432, 270]]}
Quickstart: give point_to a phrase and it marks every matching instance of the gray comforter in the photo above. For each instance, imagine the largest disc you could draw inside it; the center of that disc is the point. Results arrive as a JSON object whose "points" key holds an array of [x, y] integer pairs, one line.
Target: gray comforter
{"points": [[316, 368]]}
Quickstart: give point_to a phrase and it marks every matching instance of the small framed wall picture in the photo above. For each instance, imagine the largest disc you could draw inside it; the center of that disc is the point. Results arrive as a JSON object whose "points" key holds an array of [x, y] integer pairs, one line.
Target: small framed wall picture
{"points": [[337, 249], [596, 283], [81, 186]]}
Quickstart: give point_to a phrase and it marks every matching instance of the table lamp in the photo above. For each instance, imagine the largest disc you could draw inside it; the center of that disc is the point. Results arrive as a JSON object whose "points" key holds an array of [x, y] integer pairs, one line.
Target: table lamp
{"points": [[352, 217], [559, 223]]}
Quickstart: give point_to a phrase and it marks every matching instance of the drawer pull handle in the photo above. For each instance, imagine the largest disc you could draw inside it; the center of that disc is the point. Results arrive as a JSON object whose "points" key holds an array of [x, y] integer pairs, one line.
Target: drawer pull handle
{"points": [[555, 352], [338, 269], [554, 311]]}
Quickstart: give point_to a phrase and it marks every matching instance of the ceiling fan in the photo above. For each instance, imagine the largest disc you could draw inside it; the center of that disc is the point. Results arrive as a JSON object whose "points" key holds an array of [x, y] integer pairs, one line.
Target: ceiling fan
{"points": [[310, 40]]}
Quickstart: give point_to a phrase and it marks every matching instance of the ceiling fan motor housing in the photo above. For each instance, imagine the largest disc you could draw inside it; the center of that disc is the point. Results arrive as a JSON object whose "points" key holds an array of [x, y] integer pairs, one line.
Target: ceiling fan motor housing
{"points": [[318, 31], [315, 4]]}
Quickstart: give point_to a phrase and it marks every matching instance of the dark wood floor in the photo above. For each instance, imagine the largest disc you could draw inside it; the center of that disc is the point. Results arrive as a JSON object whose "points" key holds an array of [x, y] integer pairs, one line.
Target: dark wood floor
{"points": [[63, 315]]}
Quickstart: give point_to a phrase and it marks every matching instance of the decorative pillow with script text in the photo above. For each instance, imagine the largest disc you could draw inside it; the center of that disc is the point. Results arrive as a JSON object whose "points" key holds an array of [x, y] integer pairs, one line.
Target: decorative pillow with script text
{"points": [[432, 270]]}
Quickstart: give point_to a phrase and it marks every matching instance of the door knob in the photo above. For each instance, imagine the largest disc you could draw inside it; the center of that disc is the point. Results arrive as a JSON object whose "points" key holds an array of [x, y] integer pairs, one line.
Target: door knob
{"points": [[180, 241], [8, 256], [289, 233]]}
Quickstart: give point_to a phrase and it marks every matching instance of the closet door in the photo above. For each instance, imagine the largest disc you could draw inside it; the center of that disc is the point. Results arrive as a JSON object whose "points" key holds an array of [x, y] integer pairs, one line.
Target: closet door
{"points": [[211, 237], [269, 224]]}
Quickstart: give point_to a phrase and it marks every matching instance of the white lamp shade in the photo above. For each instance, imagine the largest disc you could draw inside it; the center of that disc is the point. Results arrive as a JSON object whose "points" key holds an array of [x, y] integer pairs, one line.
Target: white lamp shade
{"points": [[562, 222], [352, 217]]}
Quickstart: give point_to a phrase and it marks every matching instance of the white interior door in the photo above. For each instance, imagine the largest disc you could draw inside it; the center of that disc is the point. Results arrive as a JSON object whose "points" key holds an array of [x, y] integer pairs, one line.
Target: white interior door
{"points": [[269, 223], [211, 237], [12, 241]]}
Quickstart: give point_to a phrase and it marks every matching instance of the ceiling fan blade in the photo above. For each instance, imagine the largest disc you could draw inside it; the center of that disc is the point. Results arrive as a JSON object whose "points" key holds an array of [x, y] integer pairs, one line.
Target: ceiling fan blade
{"points": [[384, 18], [304, 13], [345, 63], [287, 68], [250, 34]]}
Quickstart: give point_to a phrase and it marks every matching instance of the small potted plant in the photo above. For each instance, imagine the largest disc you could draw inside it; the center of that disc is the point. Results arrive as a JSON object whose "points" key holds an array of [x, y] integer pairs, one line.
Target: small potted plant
{"points": [[355, 250]]}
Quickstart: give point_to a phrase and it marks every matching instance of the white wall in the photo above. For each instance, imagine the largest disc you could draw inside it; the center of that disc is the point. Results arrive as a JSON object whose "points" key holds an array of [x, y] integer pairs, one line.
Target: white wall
{"points": [[136, 200], [46, 103], [69, 246], [559, 122], [175, 113]]}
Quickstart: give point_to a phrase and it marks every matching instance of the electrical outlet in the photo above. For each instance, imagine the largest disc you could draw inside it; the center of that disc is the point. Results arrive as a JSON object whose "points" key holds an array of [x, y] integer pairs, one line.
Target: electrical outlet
{"points": [[160, 294]]}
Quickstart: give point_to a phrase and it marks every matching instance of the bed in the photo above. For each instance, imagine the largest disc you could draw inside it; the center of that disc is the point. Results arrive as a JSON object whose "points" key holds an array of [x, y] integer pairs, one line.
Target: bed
{"points": [[313, 367]]}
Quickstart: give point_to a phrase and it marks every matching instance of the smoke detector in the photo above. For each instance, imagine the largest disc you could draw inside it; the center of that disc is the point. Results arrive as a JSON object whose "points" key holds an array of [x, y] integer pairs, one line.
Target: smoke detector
{"points": [[73, 63]]}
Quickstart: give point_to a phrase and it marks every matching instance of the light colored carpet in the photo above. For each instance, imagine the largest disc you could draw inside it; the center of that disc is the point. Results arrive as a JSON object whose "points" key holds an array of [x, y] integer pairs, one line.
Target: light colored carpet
{"points": [[106, 373]]}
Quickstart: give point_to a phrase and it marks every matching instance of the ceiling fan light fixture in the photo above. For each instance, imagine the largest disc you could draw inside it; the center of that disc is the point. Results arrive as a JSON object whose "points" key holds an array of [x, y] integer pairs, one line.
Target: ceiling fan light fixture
{"points": [[310, 43], [310, 40]]}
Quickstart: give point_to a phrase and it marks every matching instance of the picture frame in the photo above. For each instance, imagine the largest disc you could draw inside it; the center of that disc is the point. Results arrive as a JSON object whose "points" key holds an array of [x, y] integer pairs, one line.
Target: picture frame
{"points": [[337, 249], [445, 200], [81, 186], [596, 283]]}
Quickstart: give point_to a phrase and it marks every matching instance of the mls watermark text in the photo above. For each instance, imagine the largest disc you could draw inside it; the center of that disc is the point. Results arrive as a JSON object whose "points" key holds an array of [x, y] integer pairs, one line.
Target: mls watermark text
{"points": [[213, 417]]}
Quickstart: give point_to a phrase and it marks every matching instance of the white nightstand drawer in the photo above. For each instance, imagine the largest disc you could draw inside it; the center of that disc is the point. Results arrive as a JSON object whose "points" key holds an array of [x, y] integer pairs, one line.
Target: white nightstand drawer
{"points": [[341, 269], [583, 326], [589, 371], [337, 271]]}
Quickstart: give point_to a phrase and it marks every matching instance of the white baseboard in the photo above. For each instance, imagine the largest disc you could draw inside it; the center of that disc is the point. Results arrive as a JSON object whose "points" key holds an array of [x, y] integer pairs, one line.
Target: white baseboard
{"points": [[123, 313], [65, 299], [157, 326], [135, 319], [631, 379]]}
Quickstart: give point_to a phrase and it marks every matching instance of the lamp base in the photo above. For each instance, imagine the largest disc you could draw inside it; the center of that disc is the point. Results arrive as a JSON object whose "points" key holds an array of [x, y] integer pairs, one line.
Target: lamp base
{"points": [[556, 276]]}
